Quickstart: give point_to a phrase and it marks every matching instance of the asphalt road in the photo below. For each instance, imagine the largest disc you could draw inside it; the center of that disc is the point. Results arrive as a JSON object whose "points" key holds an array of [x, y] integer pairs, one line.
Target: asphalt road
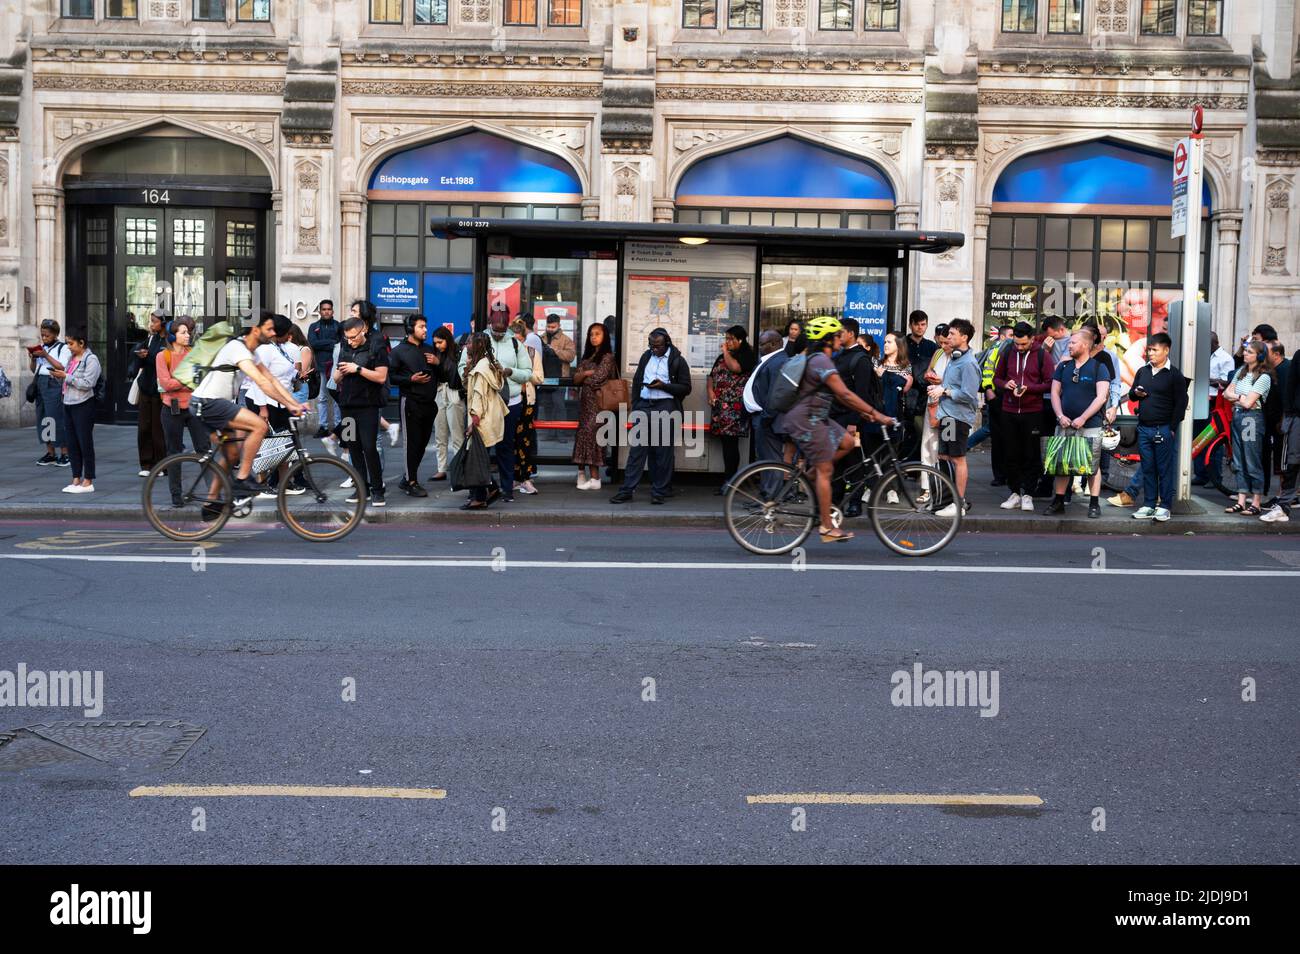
{"points": [[508, 669]]}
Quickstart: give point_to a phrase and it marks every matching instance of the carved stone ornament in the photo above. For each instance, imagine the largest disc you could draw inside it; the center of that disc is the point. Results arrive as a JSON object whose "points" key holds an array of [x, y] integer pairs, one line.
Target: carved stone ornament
{"points": [[475, 11], [262, 132], [685, 140], [441, 88], [4, 201], [788, 94], [1060, 100], [308, 193], [1277, 224], [570, 137], [372, 134], [627, 179], [790, 14], [156, 84], [948, 188], [67, 127], [886, 143]]}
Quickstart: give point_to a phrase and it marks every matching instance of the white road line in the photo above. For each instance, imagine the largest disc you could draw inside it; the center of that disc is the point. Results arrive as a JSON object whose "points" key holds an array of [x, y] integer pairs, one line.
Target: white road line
{"points": [[911, 566]]}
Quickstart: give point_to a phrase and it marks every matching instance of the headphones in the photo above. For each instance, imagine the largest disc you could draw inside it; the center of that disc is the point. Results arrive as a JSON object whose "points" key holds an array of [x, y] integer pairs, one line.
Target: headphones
{"points": [[171, 331], [409, 323]]}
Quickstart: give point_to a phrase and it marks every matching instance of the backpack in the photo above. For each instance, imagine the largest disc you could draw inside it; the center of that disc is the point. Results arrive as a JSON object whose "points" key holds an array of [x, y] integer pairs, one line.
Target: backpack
{"points": [[199, 361], [785, 389]]}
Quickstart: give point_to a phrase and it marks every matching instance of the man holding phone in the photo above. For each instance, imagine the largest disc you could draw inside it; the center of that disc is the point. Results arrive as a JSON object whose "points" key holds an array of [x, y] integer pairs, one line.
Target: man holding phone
{"points": [[1023, 376], [50, 354], [661, 382]]}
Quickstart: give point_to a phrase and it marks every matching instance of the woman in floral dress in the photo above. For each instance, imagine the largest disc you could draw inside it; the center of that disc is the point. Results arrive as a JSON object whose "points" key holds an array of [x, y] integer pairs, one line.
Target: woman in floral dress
{"points": [[729, 420], [596, 367]]}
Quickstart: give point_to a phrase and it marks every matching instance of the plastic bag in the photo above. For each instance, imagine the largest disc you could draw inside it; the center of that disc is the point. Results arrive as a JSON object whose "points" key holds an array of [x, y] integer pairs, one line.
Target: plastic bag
{"points": [[1071, 455]]}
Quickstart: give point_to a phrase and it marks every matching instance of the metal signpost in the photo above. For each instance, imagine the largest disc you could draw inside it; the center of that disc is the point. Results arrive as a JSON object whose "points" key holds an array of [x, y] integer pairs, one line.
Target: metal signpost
{"points": [[1188, 168]]}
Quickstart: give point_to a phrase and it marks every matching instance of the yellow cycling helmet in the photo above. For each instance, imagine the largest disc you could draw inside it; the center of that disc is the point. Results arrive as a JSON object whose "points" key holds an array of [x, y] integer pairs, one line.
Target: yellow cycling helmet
{"points": [[818, 328]]}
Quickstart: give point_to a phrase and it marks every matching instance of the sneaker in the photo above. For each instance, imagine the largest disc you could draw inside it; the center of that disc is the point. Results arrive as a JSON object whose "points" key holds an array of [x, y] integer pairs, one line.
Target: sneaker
{"points": [[331, 445], [1146, 513], [1094, 510], [527, 487], [346, 484], [1162, 514], [143, 473], [47, 460], [892, 497], [63, 461], [377, 500], [1011, 503], [1276, 515], [247, 487], [293, 490], [83, 488], [1027, 503], [72, 489], [1121, 499], [949, 511], [352, 498], [394, 433], [1055, 507], [621, 497], [266, 495]]}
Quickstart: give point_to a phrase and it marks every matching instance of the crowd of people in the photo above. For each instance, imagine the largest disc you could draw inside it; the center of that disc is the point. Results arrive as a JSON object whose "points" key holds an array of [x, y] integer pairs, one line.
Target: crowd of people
{"points": [[1025, 384]]}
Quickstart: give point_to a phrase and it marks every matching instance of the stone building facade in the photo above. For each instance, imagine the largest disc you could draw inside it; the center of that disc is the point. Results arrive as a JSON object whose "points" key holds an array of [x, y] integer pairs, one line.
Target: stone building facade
{"points": [[269, 119]]}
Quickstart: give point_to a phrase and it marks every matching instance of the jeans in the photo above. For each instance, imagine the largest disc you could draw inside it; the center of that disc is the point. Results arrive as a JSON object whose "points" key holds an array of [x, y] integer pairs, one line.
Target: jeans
{"points": [[80, 420], [174, 428], [363, 450], [661, 458], [49, 407], [330, 414], [448, 427], [1248, 437], [505, 450], [1156, 447], [768, 445]]}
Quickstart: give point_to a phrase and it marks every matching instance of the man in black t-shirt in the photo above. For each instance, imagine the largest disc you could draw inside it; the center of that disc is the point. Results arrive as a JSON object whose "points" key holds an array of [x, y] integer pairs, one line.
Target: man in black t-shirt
{"points": [[361, 375]]}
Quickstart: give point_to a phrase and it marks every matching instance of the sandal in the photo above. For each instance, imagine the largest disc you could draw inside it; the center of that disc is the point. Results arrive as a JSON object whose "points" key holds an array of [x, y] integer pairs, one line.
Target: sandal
{"points": [[474, 505], [1235, 508], [833, 535], [1252, 511]]}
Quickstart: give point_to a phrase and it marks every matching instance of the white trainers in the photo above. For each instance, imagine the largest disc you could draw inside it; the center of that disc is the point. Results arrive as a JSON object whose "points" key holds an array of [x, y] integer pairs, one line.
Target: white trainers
{"points": [[891, 497], [1275, 514], [1011, 503], [79, 489], [582, 483], [527, 487], [394, 433], [143, 473], [1145, 513], [346, 483], [1162, 514], [1027, 503], [593, 484], [331, 445]]}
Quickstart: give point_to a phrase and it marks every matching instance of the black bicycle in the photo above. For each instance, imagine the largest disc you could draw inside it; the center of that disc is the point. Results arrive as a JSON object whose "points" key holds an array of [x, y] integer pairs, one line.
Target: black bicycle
{"points": [[188, 497], [771, 507]]}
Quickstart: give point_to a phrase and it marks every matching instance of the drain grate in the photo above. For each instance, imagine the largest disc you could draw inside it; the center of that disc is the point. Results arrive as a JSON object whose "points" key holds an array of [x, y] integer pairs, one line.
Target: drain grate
{"points": [[134, 744]]}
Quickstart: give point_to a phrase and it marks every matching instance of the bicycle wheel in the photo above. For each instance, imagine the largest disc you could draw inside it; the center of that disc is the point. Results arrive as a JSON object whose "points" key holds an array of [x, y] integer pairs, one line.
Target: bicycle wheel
{"points": [[772, 520], [194, 506], [905, 526], [313, 504]]}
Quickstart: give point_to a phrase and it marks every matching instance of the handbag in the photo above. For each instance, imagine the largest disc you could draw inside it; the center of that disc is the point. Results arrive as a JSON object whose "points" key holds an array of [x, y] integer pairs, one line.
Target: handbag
{"points": [[1070, 455], [470, 467], [614, 393], [31, 393], [133, 395]]}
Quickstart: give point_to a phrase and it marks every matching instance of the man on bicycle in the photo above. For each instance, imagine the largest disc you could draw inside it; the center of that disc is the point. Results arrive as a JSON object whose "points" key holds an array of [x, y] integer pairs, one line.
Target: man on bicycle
{"points": [[820, 439], [215, 400]]}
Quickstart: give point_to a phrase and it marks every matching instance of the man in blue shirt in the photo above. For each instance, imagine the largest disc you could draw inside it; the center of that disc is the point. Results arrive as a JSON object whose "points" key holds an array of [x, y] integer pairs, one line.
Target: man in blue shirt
{"points": [[958, 401], [1080, 388]]}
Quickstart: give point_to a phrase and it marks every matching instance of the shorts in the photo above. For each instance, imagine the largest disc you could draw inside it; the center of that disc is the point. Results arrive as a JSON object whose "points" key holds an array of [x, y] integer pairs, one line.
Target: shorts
{"points": [[215, 413], [953, 435]]}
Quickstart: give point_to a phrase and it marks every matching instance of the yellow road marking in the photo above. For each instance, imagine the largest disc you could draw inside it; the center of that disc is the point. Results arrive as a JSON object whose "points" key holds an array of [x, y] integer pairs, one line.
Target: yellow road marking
{"points": [[884, 798], [304, 791], [101, 539]]}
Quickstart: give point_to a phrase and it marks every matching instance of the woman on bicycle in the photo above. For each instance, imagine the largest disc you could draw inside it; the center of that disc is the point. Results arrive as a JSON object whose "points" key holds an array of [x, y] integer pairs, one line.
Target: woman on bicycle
{"points": [[820, 439], [1247, 394]]}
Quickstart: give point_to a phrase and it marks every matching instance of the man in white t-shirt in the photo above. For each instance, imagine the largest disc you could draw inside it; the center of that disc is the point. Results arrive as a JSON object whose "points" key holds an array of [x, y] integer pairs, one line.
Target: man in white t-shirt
{"points": [[214, 400]]}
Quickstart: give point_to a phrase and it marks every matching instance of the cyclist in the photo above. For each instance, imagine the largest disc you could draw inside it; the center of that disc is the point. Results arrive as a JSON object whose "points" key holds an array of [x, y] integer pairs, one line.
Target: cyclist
{"points": [[214, 400], [808, 424]]}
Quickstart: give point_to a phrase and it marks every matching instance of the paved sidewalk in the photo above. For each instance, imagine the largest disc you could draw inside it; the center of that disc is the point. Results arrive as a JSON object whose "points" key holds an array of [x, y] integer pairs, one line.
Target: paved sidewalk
{"points": [[29, 491]]}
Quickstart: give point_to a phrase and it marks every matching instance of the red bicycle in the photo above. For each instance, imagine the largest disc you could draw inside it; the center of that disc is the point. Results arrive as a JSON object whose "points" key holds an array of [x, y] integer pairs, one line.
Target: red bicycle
{"points": [[1213, 446]]}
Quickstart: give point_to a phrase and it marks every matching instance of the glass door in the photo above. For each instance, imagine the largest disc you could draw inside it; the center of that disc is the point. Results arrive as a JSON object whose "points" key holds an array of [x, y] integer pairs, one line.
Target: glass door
{"points": [[141, 242]]}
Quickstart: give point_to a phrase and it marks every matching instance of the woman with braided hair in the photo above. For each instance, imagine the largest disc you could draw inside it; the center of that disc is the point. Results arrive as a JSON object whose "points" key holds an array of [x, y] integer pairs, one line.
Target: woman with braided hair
{"points": [[485, 410]]}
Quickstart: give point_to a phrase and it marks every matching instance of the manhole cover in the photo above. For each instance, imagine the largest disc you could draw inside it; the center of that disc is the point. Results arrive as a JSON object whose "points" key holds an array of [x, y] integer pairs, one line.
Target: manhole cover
{"points": [[138, 744]]}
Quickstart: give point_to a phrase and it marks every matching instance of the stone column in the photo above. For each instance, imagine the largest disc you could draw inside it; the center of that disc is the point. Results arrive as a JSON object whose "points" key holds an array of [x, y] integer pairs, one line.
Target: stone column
{"points": [[47, 200], [906, 215], [352, 206], [947, 286], [1226, 234], [979, 243], [664, 210]]}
